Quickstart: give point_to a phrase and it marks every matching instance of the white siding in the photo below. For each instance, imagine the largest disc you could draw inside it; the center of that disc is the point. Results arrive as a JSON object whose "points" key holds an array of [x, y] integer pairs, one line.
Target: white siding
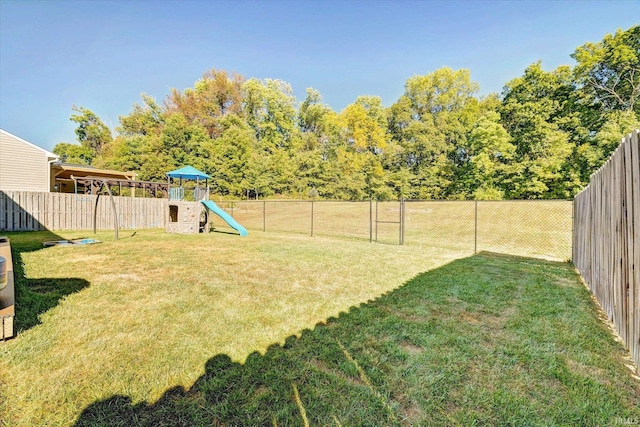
{"points": [[23, 166]]}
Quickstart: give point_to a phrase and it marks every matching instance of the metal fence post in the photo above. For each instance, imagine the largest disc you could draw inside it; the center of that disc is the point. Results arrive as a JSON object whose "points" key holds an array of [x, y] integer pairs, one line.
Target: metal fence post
{"points": [[311, 218], [401, 221], [573, 226], [264, 215], [475, 239], [370, 219]]}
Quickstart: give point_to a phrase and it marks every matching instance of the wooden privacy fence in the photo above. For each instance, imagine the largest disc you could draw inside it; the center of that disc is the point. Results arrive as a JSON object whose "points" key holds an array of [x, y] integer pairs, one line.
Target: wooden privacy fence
{"points": [[606, 243], [32, 211]]}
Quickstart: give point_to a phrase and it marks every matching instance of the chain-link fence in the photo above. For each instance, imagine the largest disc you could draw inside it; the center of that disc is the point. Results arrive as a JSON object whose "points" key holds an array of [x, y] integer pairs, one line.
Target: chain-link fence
{"points": [[535, 228]]}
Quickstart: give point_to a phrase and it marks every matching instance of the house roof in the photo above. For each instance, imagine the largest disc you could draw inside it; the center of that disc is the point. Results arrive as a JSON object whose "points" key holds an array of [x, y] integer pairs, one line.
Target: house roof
{"points": [[188, 172], [67, 170], [46, 153]]}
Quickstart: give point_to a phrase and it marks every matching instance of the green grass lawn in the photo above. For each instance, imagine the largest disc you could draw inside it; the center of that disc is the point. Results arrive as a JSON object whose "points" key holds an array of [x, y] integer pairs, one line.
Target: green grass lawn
{"points": [[282, 329]]}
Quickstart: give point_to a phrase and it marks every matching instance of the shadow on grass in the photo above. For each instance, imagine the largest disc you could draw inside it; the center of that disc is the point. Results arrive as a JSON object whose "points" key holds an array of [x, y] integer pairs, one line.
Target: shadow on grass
{"points": [[233, 233], [34, 297], [489, 339]]}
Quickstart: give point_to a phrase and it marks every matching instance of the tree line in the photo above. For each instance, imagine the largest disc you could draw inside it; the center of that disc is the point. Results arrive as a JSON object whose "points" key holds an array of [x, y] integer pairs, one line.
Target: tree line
{"points": [[541, 137]]}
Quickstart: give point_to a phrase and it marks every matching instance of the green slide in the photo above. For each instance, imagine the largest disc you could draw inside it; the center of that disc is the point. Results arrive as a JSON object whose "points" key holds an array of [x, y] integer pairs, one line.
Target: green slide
{"points": [[222, 214]]}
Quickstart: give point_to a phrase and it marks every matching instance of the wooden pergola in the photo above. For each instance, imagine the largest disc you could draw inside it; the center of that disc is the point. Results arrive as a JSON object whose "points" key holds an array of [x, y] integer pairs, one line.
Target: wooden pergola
{"points": [[92, 185], [71, 178]]}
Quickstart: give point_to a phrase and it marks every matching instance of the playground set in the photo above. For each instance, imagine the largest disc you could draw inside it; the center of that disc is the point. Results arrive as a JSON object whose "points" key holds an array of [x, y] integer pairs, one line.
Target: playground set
{"points": [[184, 216], [187, 217]]}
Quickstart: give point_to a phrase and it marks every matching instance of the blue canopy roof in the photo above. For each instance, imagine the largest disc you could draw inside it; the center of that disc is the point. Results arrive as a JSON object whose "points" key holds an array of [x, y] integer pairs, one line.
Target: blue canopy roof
{"points": [[188, 172]]}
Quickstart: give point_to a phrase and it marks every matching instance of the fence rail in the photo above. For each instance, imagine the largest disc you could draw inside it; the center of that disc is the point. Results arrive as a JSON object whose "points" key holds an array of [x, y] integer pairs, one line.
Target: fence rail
{"points": [[606, 246], [32, 211]]}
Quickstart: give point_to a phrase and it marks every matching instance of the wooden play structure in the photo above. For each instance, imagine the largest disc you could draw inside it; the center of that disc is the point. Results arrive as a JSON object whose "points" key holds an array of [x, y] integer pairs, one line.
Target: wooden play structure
{"points": [[187, 216], [99, 185], [188, 206]]}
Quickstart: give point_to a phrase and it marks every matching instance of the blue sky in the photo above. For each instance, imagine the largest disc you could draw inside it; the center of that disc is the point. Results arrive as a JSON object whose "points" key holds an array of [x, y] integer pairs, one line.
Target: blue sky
{"points": [[103, 55]]}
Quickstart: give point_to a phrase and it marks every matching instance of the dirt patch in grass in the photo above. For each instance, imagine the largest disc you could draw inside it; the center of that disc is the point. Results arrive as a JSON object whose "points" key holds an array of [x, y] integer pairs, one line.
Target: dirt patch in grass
{"points": [[582, 369], [467, 317], [411, 348], [564, 282], [412, 414], [497, 322]]}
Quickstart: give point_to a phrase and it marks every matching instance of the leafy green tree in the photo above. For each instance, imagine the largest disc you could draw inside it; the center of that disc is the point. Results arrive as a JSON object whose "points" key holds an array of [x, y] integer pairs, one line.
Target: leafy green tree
{"points": [[309, 165], [356, 143], [347, 175], [184, 143], [74, 153], [285, 173], [230, 157], [531, 111], [541, 139], [179, 143], [212, 97], [146, 119], [125, 153], [591, 155], [429, 123], [375, 178], [609, 71], [259, 175], [617, 124], [312, 113], [490, 156], [607, 81], [94, 137], [444, 90], [91, 132], [365, 125], [270, 108], [399, 183], [316, 122], [137, 141]]}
